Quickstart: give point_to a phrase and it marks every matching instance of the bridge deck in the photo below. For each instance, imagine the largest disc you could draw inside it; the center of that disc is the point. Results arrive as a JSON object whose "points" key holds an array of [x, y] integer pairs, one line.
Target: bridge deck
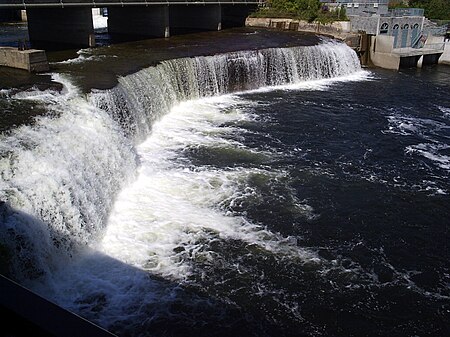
{"points": [[23, 4]]}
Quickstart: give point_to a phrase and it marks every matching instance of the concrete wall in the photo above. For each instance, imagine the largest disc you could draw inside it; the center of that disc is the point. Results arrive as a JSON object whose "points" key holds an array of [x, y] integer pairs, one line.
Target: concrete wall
{"points": [[383, 44], [445, 57], [400, 26], [336, 28], [64, 26], [434, 41], [152, 21], [366, 24], [364, 8], [187, 19], [380, 52], [31, 60]]}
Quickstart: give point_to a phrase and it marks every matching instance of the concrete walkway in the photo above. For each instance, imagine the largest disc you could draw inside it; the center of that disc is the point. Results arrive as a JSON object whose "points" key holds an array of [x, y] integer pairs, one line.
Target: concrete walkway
{"points": [[407, 52]]}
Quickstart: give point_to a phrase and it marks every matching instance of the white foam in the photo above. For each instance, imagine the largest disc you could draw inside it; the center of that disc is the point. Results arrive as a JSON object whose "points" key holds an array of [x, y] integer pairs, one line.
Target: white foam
{"points": [[62, 171], [174, 207], [4, 92], [316, 85], [84, 55], [445, 111], [407, 125], [50, 96], [431, 151]]}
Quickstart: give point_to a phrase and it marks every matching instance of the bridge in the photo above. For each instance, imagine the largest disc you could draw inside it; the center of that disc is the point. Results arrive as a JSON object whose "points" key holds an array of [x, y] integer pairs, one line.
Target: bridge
{"points": [[69, 22]]}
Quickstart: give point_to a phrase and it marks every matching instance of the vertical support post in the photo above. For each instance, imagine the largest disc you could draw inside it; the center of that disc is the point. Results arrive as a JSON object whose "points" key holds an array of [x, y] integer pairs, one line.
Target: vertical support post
{"points": [[420, 62]]}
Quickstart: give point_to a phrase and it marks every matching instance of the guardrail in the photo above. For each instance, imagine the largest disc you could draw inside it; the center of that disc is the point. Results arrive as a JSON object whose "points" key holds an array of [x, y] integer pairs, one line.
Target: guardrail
{"points": [[23, 4], [399, 12]]}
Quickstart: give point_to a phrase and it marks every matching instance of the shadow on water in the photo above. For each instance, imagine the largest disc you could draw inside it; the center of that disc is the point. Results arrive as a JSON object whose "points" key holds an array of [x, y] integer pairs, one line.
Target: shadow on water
{"points": [[121, 298]]}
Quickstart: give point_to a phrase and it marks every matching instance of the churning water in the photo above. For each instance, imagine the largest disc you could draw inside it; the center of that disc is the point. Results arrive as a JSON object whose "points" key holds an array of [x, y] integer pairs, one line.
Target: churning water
{"points": [[279, 192]]}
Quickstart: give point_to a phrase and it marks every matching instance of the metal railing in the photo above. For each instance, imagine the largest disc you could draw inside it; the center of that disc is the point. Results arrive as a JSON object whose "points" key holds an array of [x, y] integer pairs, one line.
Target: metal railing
{"points": [[399, 12], [23, 4], [363, 2]]}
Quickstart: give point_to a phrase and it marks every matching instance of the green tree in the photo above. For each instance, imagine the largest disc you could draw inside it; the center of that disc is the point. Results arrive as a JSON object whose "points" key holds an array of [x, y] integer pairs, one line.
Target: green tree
{"points": [[308, 10], [434, 9]]}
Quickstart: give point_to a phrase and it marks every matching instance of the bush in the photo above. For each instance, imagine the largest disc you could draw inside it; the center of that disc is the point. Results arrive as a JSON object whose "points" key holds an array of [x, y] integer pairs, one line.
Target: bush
{"points": [[309, 10], [434, 9]]}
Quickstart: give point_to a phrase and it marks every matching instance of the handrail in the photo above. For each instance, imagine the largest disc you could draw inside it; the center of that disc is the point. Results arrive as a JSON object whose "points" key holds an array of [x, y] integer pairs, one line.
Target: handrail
{"points": [[24, 4]]}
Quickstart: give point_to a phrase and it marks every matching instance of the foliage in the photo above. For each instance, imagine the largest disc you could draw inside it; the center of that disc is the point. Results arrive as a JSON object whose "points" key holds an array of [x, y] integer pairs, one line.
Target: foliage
{"points": [[308, 10], [434, 9], [397, 4], [329, 16]]}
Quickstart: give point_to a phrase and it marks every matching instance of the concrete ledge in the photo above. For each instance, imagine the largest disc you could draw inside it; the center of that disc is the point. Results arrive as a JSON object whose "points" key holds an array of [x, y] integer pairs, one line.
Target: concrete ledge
{"points": [[445, 57], [32, 60], [338, 29], [27, 311], [385, 60]]}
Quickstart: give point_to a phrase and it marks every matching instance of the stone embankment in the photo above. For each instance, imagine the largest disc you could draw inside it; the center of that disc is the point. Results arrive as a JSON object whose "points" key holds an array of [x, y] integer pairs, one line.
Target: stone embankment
{"points": [[339, 30]]}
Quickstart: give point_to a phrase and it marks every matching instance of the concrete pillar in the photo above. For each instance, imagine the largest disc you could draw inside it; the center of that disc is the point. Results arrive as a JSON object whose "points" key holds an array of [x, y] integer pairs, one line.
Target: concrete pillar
{"points": [[151, 21], [235, 15], [56, 27], [23, 15], [420, 62], [194, 18]]}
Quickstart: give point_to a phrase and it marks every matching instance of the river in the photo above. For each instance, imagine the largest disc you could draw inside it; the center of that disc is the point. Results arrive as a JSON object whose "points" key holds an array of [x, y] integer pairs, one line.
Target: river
{"points": [[244, 182]]}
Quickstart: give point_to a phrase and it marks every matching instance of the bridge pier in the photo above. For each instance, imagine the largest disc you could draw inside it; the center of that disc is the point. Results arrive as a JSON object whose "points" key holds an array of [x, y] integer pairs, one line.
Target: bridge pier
{"points": [[152, 21], [60, 26], [194, 18], [235, 15]]}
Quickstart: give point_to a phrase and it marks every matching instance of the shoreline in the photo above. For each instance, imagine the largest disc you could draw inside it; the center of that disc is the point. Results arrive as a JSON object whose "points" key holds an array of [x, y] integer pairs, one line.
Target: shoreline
{"points": [[339, 30]]}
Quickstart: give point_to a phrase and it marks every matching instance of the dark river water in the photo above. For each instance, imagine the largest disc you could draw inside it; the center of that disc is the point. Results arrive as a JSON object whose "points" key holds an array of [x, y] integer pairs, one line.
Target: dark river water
{"points": [[280, 190]]}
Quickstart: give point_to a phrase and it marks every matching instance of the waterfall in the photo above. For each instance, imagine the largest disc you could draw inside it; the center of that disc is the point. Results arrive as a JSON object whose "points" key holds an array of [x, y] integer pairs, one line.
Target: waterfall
{"points": [[142, 97], [59, 176]]}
